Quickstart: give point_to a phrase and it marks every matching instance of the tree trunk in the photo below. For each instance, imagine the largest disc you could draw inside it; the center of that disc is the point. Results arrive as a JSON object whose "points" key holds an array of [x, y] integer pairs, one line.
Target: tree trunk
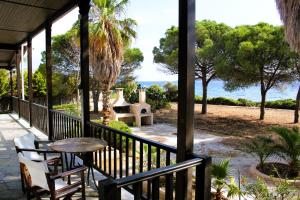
{"points": [[96, 95], [105, 104], [262, 105], [296, 119], [204, 96]]}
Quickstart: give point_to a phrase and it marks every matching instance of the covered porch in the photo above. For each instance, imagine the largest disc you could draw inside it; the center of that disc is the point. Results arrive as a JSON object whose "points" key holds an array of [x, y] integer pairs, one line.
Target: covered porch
{"points": [[145, 168]]}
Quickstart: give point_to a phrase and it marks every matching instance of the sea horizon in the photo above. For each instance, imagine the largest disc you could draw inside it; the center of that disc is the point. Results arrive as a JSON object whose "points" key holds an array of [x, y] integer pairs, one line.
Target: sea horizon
{"points": [[216, 89]]}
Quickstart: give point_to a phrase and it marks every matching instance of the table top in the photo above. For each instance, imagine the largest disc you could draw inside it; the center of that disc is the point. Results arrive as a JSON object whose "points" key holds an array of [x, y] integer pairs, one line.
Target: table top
{"points": [[78, 145]]}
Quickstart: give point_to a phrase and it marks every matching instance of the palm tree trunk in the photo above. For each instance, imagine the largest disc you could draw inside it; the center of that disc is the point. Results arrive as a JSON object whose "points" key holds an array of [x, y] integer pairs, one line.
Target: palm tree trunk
{"points": [[96, 95], [105, 104], [218, 194], [296, 119]]}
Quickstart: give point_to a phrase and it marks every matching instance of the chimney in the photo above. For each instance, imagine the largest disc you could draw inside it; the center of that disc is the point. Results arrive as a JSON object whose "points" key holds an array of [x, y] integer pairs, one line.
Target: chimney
{"points": [[142, 95], [119, 94]]}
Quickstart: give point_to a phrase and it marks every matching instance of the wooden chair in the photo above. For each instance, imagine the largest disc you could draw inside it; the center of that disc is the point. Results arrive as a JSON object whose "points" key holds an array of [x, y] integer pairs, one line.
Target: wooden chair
{"points": [[40, 181], [29, 147]]}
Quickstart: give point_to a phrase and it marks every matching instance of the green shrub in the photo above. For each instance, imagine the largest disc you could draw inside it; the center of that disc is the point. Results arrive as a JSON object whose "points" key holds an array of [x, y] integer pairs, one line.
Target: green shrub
{"points": [[288, 147], [119, 125], [70, 109], [198, 99], [171, 92], [156, 97], [282, 104], [129, 90], [261, 147], [283, 190], [223, 101], [246, 102]]}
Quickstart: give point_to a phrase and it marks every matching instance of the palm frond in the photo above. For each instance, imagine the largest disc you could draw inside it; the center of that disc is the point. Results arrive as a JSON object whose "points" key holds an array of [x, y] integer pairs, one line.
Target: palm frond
{"points": [[221, 170]]}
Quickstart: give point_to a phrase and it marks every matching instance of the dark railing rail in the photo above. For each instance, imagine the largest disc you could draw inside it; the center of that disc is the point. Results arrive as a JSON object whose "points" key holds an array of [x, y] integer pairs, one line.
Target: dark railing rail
{"points": [[39, 117], [128, 154], [111, 189], [24, 109], [5, 105], [65, 126], [15, 106]]}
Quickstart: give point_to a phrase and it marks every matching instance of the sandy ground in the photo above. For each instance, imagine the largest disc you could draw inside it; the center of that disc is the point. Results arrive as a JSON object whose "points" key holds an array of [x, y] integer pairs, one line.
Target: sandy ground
{"points": [[231, 120], [223, 130]]}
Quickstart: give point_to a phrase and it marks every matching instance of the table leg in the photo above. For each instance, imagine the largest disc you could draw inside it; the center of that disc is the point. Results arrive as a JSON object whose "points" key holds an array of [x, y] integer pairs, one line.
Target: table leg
{"points": [[91, 171]]}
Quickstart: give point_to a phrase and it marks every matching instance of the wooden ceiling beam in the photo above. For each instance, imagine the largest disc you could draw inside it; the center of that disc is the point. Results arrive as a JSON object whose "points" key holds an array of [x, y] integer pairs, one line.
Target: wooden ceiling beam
{"points": [[8, 46], [27, 5], [58, 14]]}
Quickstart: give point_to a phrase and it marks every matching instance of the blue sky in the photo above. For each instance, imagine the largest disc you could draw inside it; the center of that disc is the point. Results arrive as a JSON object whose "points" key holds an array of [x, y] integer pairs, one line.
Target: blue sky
{"points": [[155, 16]]}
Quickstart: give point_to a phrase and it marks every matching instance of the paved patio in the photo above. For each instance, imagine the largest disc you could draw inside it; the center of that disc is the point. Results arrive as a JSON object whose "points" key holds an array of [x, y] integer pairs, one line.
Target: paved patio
{"points": [[10, 185]]}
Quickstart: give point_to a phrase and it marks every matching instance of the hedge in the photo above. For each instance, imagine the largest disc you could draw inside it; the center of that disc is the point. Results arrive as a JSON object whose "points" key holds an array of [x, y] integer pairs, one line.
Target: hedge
{"points": [[279, 104]]}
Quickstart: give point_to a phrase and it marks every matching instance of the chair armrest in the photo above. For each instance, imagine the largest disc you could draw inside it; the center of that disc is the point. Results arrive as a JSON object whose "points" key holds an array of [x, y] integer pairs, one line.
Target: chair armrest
{"points": [[53, 161], [68, 173], [38, 142], [38, 150]]}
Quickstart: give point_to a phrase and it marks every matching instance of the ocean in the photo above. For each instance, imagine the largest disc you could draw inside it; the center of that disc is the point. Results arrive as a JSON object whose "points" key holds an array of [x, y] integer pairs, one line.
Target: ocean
{"points": [[216, 89]]}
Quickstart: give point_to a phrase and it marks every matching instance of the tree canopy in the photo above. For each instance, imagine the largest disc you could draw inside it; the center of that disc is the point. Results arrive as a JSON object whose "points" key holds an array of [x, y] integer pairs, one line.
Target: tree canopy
{"points": [[255, 54], [208, 36]]}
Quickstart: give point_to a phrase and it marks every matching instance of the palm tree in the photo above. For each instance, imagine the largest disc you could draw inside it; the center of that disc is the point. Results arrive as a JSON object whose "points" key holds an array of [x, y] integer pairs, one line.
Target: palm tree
{"points": [[222, 179], [288, 146], [109, 35], [261, 147], [289, 12]]}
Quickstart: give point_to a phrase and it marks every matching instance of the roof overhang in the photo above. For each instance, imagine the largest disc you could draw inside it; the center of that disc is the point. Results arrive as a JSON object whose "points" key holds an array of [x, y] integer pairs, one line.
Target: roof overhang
{"points": [[23, 19]]}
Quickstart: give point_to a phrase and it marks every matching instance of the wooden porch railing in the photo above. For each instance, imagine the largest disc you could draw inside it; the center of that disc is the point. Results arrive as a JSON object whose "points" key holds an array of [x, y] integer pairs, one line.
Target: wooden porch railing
{"points": [[5, 104], [161, 182], [145, 168], [15, 106], [39, 117], [24, 109]]}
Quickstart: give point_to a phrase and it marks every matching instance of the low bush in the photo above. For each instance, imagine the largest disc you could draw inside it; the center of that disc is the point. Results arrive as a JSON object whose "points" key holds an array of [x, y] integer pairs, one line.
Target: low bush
{"points": [[70, 109], [281, 104], [198, 99], [171, 92], [156, 97], [129, 90], [121, 126], [223, 101], [246, 102]]}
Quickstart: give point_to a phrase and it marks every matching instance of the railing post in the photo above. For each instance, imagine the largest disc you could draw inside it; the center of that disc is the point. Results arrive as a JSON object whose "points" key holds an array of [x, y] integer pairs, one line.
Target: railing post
{"points": [[29, 63], [108, 190], [186, 83], [203, 180], [18, 79], [84, 7], [11, 90], [49, 80]]}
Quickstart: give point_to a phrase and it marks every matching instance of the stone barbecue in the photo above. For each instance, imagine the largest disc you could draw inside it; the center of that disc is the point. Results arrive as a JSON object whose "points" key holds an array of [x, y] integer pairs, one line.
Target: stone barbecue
{"points": [[133, 114]]}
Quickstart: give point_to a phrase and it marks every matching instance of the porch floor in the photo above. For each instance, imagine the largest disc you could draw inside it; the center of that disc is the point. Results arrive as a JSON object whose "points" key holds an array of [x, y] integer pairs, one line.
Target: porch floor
{"points": [[10, 184]]}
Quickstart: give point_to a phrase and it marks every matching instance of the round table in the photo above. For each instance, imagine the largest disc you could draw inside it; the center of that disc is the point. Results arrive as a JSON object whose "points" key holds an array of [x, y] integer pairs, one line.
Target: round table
{"points": [[79, 145]]}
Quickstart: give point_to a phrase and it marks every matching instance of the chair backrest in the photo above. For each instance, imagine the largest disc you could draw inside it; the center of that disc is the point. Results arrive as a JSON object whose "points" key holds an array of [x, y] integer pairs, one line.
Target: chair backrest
{"points": [[27, 142], [37, 171]]}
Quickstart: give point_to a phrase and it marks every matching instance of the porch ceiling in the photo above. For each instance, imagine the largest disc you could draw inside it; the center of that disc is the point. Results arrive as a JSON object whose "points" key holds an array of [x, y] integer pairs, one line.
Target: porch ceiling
{"points": [[20, 19]]}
